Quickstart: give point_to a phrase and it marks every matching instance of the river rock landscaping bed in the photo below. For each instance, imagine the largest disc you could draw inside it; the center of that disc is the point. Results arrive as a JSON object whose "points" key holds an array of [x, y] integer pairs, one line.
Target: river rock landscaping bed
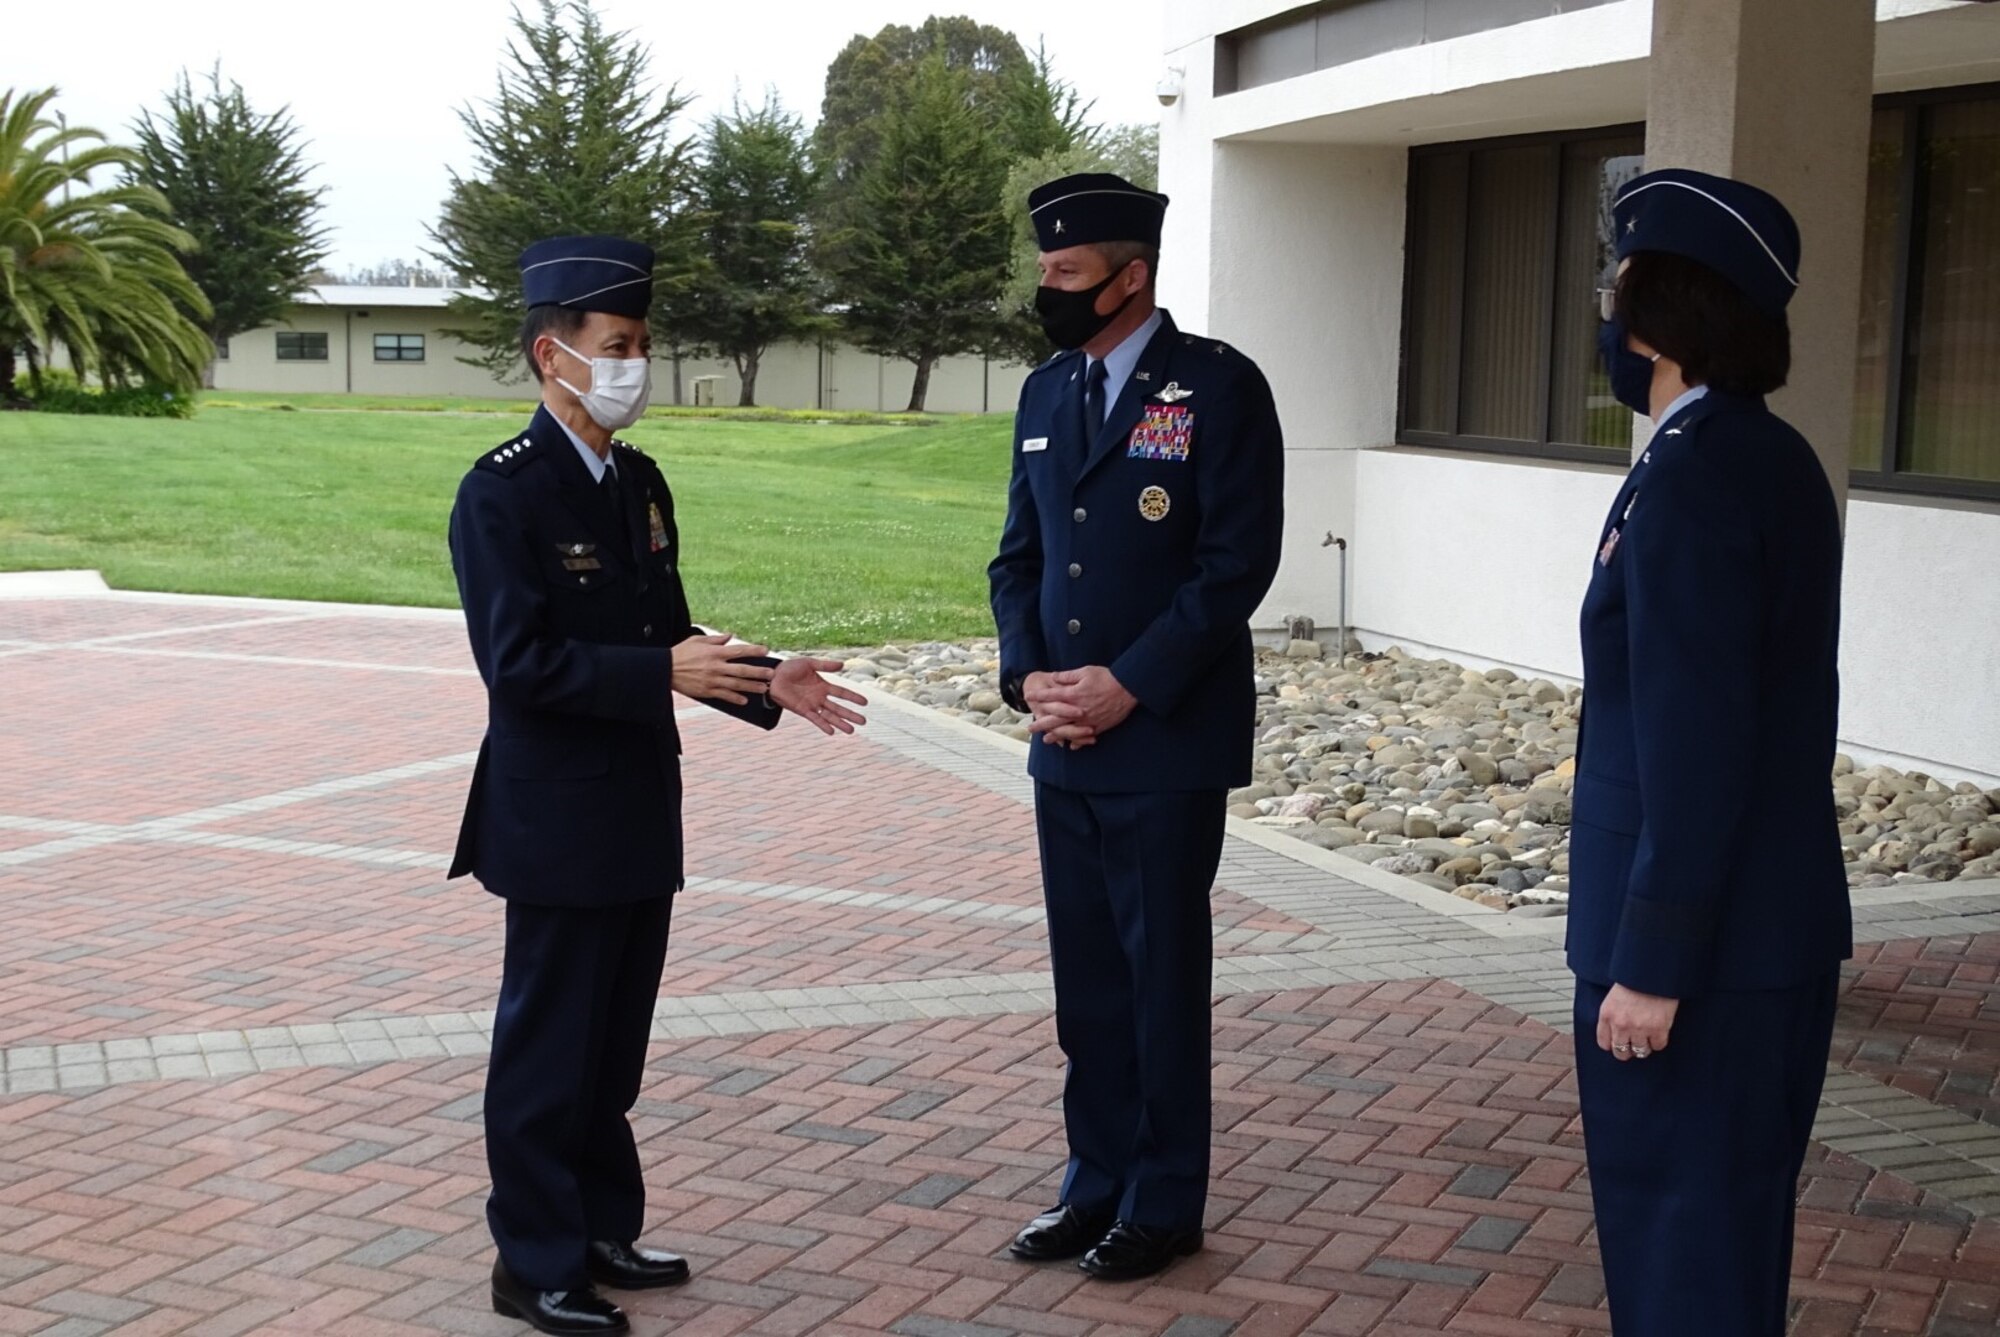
{"points": [[1459, 778]]}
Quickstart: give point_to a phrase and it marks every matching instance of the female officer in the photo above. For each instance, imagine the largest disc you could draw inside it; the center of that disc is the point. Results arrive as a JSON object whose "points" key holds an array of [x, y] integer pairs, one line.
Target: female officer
{"points": [[1709, 911]]}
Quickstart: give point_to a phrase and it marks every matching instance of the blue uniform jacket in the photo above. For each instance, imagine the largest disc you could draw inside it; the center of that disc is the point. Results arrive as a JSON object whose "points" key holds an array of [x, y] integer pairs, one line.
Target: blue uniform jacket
{"points": [[576, 798], [1705, 853], [1145, 549]]}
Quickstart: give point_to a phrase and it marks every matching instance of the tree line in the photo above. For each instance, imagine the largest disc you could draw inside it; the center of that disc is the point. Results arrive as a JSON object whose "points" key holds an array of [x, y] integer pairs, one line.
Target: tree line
{"points": [[898, 222]]}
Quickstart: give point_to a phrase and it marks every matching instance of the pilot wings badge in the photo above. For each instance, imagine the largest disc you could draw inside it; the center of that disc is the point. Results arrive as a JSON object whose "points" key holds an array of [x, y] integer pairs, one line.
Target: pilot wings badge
{"points": [[1173, 394]]}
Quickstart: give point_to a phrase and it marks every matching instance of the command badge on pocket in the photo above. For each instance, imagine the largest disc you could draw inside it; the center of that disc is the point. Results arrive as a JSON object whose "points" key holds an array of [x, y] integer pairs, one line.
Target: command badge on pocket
{"points": [[1154, 503]]}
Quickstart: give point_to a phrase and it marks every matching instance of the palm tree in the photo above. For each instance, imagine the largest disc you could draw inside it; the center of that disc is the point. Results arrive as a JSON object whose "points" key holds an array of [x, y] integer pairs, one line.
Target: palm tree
{"points": [[95, 271]]}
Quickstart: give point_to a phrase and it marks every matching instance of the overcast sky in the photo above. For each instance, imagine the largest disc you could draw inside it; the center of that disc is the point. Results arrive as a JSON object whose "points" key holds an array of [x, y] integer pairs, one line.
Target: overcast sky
{"points": [[375, 84]]}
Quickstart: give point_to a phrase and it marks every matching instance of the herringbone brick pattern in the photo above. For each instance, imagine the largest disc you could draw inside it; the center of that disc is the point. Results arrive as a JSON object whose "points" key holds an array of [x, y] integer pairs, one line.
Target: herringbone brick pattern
{"points": [[1923, 1015], [1391, 1158]]}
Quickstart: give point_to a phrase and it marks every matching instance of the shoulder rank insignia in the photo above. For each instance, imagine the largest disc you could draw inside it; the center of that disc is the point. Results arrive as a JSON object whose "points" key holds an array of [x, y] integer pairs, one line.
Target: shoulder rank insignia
{"points": [[508, 456], [1173, 393]]}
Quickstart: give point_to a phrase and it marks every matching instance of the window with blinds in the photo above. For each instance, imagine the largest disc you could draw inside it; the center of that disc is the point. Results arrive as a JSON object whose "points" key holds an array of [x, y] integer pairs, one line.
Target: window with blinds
{"points": [[1508, 243], [1509, 239]]}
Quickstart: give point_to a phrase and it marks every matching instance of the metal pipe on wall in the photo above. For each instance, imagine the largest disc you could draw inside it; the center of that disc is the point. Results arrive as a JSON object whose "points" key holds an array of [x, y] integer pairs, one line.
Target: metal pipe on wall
{"points": [[1331, 542]]}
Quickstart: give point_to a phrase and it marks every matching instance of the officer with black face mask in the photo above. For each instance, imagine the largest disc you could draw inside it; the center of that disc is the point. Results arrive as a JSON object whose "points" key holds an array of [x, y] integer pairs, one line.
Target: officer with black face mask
{"points": [[1143, 528]]}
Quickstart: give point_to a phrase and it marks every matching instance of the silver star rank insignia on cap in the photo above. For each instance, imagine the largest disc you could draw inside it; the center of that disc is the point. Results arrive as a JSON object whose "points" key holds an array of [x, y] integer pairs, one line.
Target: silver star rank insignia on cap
{"points": [[1173, 394], [1631, 226], [1059, 227]]}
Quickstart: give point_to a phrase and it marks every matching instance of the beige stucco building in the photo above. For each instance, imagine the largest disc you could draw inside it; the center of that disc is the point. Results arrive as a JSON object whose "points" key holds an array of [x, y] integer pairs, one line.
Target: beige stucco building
{"points": [[340, 339]]}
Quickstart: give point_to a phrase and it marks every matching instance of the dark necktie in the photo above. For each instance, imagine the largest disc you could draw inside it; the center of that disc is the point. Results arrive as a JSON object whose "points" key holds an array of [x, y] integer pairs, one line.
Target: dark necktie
{"points": [[614, 496], [1093, 401]]}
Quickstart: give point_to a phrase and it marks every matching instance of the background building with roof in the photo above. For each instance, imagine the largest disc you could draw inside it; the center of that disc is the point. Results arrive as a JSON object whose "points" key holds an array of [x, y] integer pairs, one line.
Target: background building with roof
{"points": [[344, 339]]}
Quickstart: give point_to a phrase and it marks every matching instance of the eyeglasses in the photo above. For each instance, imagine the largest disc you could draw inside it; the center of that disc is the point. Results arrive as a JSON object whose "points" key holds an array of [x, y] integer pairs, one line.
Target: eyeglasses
{"points": [[1607, 302]]}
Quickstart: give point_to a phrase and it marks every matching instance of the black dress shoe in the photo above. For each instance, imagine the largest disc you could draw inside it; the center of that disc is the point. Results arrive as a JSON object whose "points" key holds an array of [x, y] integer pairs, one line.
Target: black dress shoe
{"points": [[574, 1311], [1133, 1251], [627, 1267], [1060, 1232]]}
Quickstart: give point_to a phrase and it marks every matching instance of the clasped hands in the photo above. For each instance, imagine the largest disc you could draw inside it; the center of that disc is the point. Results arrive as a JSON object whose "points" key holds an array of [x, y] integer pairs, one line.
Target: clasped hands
{"points": [[714, 668], [1075, 707]]}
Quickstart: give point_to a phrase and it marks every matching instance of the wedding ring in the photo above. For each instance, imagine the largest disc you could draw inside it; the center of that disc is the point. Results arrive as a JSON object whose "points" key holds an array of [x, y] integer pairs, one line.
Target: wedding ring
{"points": [[1621, 1049]]}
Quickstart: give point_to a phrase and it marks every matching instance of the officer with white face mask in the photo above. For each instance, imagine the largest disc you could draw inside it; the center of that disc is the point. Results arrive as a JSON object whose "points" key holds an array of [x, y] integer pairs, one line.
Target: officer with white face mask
{"points": [[568, 563]]}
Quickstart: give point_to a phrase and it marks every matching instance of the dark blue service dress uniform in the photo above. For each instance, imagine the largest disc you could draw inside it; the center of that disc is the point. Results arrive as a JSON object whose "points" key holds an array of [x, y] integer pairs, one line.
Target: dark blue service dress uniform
{"points": [[1142, 545], [573, 602], [1705, 862]]}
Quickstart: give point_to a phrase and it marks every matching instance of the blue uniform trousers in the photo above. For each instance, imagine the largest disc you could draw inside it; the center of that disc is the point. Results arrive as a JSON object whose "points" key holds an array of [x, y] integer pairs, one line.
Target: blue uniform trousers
{"points": [[569, 1051], [1695, 1154], [1127, 879]]}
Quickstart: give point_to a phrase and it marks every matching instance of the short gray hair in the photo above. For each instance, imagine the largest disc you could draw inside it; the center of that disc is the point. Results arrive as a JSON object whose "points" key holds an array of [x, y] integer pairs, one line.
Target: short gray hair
{"points": [[1119, 254]]}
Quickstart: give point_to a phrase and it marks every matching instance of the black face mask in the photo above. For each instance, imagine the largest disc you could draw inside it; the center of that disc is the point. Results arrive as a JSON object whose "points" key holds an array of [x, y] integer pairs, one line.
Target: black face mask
{"points": [[1071, 319], [1631, 373]]}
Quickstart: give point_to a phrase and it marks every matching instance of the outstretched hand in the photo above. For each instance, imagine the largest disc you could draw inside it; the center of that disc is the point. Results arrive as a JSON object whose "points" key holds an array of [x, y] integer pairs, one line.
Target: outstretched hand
{"points": [[799, 688]]}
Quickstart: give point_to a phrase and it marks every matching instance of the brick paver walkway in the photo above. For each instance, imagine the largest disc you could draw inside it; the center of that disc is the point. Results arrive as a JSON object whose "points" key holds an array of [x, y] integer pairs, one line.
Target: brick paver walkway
{"points": [[243, 1023]]}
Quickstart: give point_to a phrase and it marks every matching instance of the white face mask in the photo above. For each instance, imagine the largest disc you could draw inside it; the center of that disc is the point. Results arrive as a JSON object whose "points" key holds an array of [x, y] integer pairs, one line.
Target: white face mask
{"points": [[619, 388]]}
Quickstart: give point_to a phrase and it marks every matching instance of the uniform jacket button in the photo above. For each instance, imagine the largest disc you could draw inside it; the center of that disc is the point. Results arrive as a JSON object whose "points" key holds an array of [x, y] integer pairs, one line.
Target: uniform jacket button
{"points": [[648, 629], [1081, 515], [1075, 570], [1075, 626]]}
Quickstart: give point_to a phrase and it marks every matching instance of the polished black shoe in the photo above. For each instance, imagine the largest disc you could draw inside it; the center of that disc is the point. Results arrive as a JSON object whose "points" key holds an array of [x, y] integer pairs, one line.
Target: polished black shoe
{"points": [[1060, 1232], [627, 1267], [1133, 1251], [575, 1311]]}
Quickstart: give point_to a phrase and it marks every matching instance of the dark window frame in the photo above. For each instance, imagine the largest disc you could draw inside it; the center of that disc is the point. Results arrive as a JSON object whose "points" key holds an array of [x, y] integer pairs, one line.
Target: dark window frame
{"points": [[1544, 325], [1912, 212], [300, 354], [1905, 313], [401, 349]]}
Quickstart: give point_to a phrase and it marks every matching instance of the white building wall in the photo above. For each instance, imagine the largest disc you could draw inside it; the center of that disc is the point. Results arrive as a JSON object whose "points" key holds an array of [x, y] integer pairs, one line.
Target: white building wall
{"points": [[1920, 637], [1313, 278], [1476, 557]]}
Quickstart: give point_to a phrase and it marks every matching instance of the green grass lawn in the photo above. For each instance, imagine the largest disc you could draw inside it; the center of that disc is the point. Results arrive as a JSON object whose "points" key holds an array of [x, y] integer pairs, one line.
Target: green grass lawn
{"points": [[799, 533]]}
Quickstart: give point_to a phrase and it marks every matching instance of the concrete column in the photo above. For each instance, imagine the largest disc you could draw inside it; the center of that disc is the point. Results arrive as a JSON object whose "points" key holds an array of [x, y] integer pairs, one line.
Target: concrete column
{"points": [[1778, 93], [1305, 271]]}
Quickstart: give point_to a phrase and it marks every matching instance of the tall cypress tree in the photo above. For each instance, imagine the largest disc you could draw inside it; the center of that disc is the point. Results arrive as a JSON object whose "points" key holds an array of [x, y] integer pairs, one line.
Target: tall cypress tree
{"points": [[237, 181], [576, 139], [752, 192], [922, 259]]}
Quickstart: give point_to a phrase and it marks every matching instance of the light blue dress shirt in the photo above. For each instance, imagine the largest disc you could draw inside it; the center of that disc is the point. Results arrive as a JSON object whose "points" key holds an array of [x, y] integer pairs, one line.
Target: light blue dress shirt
{"points": [[1122, 361], [1685, 398], [596, 463]]}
